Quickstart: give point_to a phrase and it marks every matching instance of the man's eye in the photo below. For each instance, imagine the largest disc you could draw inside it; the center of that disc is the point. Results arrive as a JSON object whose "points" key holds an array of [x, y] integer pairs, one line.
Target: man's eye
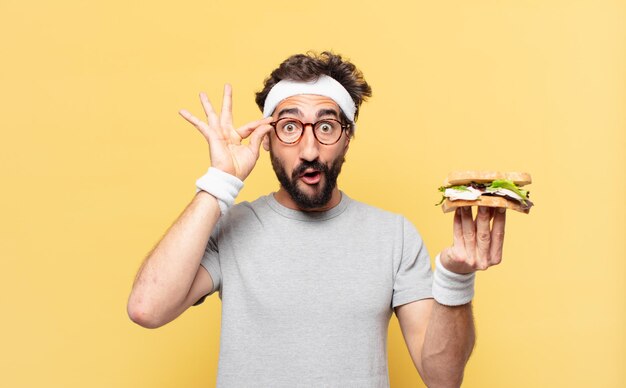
{"points": [[325, 127], [290, 127]]}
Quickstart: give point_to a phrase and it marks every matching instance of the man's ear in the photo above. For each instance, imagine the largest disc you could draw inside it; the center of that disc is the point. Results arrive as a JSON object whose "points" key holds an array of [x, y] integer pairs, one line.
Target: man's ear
{"points": [[266, 142]]}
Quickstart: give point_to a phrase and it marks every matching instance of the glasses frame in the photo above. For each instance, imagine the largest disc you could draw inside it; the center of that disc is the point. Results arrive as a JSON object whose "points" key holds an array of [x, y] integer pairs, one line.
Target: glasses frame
{"points": [[344, 127]]}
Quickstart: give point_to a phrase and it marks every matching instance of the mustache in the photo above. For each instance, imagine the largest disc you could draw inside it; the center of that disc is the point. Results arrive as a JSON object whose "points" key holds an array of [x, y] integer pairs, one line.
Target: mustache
{"points": [[315, 164]]}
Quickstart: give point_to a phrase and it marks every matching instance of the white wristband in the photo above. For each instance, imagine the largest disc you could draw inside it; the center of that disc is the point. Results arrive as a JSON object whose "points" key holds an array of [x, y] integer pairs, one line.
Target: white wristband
{"points": [[452, 289], [221, 185]]}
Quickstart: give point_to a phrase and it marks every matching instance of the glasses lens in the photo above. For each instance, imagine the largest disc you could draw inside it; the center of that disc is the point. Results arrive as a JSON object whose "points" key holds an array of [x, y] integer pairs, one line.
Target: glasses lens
{"points": [[288, 130], [328, 131]]}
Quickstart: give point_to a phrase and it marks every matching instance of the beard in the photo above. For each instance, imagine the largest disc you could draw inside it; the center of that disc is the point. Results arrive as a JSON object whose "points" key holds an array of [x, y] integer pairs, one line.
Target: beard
{"points": [[322, 196]]}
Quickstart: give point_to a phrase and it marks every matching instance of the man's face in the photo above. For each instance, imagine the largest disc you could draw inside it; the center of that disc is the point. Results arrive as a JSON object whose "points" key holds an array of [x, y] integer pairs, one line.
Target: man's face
{"points": [[307, 170]]}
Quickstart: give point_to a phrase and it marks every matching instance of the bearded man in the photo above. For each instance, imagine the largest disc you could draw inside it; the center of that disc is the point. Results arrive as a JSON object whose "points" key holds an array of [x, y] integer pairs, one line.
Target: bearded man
{"points": [[308, 278]]}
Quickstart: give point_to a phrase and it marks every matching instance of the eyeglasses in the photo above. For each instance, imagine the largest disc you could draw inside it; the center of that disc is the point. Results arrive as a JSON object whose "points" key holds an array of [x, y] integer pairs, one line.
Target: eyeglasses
{"points": [[290, 130]]}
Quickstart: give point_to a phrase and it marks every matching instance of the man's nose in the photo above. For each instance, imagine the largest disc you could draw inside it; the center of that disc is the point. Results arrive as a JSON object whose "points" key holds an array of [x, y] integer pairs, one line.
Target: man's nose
{"points": [[309, 146]]}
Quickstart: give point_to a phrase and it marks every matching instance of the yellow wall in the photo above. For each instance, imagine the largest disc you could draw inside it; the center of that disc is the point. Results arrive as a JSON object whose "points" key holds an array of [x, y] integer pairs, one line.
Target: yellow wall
{"points": [[95, 164]]}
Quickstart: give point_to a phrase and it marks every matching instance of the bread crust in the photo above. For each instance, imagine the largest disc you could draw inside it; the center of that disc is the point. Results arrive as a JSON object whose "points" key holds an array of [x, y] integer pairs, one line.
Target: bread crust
{"points": [[489, 201], [464, 177]]}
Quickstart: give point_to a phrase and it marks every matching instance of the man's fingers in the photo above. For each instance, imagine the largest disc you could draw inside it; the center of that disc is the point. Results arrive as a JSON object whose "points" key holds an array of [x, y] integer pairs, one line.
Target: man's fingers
{"points": [[497, 236], [226, 115], [189, 117], [209, 134], [257, 136], [245, 130], [199, 124], [208, 110], [483, 236], [457, 229], [469, 233]]}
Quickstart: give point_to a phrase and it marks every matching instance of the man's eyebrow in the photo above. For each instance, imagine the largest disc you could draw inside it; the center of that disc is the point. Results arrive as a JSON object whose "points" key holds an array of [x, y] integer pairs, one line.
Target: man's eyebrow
{"points": [[287, 111], [327, 112], [297, 112]]}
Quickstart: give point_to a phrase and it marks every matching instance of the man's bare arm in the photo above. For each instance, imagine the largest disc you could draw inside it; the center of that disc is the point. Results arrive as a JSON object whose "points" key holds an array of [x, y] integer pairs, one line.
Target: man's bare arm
{"points": [[170, 278], [162, 285], [439, 338], [448, 344]]}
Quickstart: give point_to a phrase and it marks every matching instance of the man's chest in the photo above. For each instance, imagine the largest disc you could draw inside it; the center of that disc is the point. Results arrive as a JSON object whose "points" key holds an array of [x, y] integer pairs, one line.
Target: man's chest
{"points": [[309, 271]]}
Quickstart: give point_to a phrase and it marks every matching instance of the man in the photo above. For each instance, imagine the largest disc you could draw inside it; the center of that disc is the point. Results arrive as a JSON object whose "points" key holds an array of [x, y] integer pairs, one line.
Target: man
{"points": [[308, 277]]}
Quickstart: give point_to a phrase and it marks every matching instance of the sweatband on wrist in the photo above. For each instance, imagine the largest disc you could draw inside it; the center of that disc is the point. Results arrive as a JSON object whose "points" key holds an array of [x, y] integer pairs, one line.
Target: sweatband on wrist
{"points": [[322, 86], [223, 186], [452, 289]]}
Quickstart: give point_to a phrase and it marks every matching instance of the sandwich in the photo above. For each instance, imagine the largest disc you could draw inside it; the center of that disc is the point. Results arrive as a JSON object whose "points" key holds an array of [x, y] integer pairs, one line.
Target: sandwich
{"points": [[486, 188]]}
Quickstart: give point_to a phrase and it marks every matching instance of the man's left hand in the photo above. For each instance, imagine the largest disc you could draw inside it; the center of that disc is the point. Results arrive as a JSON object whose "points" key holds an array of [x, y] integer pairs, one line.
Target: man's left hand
{"points": [[477, 243]]}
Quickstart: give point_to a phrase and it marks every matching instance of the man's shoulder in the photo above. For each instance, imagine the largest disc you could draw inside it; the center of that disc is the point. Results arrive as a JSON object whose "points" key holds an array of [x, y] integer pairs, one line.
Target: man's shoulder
{"points": [[247, 207], [366, 208], [366, 211], [256, 203], [244, 211]]}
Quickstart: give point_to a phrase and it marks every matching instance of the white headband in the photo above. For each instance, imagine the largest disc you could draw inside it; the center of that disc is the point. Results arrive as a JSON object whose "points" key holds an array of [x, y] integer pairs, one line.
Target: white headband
{"points": [[324, 86]]}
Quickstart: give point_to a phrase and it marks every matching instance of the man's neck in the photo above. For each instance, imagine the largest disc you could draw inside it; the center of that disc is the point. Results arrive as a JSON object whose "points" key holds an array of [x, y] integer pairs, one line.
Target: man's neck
{"points": [[285, 199]]}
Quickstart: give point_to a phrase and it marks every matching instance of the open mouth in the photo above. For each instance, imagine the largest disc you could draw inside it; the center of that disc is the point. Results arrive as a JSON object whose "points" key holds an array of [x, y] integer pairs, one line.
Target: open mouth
{"points": [[310, 176]]}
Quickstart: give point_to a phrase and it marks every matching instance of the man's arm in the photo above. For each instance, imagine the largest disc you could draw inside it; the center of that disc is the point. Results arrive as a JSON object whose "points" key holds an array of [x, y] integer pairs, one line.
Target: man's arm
{"points": [[441, 337], [170, 278]]}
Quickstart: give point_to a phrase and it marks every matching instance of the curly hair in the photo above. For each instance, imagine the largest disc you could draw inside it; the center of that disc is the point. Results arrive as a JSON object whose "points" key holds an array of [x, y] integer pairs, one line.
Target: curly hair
{"points": [[309, 66]]}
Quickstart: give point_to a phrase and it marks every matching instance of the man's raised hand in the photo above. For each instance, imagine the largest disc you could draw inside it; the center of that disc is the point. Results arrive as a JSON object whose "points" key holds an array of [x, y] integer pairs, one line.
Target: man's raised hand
{"points": [[477, 243], [227, 152]]}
